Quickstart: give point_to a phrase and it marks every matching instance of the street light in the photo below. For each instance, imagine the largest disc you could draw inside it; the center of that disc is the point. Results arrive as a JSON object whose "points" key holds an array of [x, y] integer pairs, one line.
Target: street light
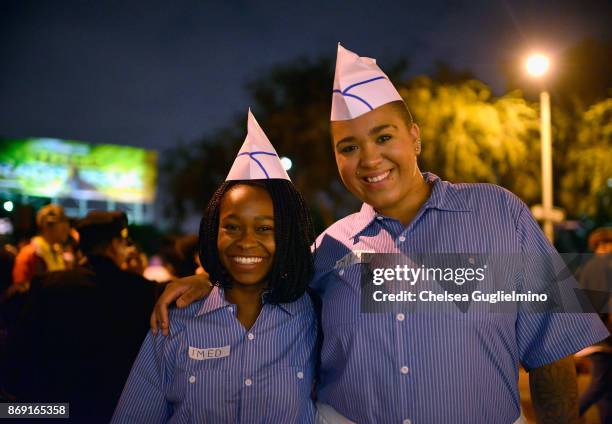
{"points": [[286, 162], [537, 65]]}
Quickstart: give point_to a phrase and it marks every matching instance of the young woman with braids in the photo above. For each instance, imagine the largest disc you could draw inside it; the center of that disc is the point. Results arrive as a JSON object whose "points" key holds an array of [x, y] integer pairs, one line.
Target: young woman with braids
{"points": [[247, 352]]}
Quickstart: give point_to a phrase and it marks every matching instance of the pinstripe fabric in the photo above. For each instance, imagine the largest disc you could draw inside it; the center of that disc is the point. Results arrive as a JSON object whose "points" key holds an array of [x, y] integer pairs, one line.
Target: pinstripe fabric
{"points": [[436, 368], [266, 378]]}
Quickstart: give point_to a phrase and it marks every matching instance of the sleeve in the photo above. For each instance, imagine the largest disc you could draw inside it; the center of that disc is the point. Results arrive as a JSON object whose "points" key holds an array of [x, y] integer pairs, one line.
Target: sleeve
{"points": [[143, 399], [548, 335], [24, 267]]}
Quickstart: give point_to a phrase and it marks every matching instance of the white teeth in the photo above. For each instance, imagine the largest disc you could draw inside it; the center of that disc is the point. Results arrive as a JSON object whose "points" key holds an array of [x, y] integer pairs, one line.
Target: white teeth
{"points": [[378, 178], [247, 260]]}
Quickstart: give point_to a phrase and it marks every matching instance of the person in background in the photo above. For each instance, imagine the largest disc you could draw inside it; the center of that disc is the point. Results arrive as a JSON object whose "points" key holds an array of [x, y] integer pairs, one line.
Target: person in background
{"points": [[187, 256], [596, 281], [76, 340], [44, 252]]}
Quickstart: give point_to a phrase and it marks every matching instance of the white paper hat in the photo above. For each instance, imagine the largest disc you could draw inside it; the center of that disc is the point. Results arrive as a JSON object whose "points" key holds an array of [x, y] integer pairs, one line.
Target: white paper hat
{"points": [[257, 159], [359, 86]]}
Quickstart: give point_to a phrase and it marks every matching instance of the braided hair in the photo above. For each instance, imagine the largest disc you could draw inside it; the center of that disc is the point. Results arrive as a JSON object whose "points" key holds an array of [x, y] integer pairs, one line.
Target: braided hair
{"points": [[293, 264]]}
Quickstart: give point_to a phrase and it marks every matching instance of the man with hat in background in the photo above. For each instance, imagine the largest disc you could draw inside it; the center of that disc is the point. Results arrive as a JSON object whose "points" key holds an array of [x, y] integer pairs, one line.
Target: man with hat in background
{"points": [[78, 339], [44, 252]]}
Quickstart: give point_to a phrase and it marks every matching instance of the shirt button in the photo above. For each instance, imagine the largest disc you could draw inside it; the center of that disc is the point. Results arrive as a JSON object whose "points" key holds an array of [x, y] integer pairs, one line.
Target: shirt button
{"points": [[192, 379], [404, 369], [380, 218], [400, 317], [471, 260], [300, 375], [250, 336], [341, 272], [407, 421], [230, 309], [248, 382], [402, 239]]}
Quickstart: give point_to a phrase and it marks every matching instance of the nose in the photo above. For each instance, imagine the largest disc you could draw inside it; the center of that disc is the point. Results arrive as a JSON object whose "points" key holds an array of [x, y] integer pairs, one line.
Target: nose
{"points": [[370, 156], [247, 240]]}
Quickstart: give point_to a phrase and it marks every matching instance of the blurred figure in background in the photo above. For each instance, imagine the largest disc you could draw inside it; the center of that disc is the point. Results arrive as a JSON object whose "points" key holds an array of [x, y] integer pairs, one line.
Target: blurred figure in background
{"points": [[77, 339], [177, 258], [596, 279], [44, 252], [187, 256], [7, 312]]}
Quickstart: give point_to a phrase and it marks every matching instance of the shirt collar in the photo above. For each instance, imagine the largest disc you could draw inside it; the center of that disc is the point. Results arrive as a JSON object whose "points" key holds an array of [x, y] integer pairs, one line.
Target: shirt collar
{"points": [[444, 196], [216, 300]]}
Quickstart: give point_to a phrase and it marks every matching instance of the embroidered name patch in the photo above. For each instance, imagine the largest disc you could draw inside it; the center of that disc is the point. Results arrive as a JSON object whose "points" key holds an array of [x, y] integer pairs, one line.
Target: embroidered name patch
{"points": [[209, 353]]}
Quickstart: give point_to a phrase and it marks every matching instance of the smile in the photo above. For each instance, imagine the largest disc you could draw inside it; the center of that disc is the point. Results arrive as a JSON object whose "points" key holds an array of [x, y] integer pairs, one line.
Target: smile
{"points": [[247, 260], [377, 178]]}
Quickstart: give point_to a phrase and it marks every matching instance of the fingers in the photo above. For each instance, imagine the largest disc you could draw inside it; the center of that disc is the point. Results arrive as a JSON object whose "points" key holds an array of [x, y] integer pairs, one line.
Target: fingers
{"points": [[191, 295], [159, 317], [187, 290]]}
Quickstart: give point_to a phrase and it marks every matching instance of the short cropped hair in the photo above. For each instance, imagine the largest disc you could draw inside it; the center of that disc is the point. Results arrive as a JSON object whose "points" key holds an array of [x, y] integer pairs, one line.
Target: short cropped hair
{"points": [[292, 266], [400, 107], [50, 214]]}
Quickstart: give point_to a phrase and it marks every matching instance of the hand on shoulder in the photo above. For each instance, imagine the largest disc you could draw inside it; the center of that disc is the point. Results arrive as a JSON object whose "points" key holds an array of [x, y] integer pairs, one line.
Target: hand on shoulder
{"points": [[184, 291]]}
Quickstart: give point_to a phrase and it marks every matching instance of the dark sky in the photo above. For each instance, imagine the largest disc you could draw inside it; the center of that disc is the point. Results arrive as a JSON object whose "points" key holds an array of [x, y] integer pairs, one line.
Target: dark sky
{"points": [[153, 73]]}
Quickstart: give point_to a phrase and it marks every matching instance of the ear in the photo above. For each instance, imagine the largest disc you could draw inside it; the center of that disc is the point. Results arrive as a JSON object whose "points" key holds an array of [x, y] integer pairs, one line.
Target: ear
{"points": [[415, 132]]}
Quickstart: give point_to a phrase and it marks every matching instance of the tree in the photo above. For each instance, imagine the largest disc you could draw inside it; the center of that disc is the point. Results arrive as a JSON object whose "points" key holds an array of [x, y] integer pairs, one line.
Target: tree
{"points": [[588, 181], [470, 136]]}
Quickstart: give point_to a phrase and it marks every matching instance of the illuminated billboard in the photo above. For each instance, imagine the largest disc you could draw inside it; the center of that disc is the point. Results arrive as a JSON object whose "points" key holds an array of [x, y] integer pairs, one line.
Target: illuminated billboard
{"points": [[68, 169]]}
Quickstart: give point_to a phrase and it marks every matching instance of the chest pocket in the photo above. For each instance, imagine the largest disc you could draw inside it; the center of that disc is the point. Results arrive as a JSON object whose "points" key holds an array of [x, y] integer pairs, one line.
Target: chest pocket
{"points": [[342, 296]]}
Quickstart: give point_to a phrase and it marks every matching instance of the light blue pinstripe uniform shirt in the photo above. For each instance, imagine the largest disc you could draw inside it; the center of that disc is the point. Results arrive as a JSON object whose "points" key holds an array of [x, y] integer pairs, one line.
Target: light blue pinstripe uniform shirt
{"points": [[436, 368], [211, 369]]}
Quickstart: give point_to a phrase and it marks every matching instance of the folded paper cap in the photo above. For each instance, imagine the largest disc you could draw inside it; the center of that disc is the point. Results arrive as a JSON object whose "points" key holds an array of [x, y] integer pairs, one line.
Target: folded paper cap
{"points": [[359, 86], [257, 159]]}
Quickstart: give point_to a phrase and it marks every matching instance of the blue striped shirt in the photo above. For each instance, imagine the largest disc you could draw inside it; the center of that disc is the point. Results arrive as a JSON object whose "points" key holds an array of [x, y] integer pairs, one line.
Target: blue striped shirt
{"points": [[211, 369], [436, 368]]}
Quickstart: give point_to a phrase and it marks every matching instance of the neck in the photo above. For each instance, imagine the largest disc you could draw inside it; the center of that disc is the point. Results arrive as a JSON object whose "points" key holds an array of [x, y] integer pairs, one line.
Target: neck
{"points": [[407, 209], [247, 300]]}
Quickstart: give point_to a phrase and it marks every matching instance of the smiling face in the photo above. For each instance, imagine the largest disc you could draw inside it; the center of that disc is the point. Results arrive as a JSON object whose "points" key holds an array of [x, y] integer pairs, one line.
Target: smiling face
{"points": [[376, 157], [245, 241]]}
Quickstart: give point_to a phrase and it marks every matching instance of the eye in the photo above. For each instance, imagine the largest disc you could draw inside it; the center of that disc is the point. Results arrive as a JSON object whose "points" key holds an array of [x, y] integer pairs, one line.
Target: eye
{"points": [[348, 148], [383, 138], [230, 227], [265, 228]]}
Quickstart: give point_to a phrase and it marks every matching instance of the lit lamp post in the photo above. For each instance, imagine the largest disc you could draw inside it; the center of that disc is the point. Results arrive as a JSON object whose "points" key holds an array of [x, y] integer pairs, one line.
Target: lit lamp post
{"points": [[537, 65]]}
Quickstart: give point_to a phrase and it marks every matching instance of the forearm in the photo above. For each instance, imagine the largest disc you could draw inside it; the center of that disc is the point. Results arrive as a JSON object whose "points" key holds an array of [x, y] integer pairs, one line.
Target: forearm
{"points": [[554, 392]]}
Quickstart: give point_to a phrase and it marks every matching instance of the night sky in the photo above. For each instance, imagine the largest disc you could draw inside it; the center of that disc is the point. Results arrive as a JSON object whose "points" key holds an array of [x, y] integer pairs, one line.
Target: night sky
{"points": [[155, 73]]}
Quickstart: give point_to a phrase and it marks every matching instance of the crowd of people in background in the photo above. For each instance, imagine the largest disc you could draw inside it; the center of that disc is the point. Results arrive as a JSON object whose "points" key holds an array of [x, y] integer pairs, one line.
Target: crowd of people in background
{"points": [[57, 292]]}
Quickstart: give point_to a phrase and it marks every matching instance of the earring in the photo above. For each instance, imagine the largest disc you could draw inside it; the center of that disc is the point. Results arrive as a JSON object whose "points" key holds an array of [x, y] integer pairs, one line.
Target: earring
{"points": [[417, 149]]}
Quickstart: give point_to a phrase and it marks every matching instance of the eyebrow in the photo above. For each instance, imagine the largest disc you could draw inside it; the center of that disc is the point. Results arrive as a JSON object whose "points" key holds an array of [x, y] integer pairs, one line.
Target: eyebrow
{"points": [[373, 131], [380, 128], [257, 218]]}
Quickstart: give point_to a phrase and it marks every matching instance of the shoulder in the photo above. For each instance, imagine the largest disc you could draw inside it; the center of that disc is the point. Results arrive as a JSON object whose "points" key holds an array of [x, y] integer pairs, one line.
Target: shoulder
{"points": [[180, 318], [26, 253], [74, 278], [487, 198], [341, 229]]}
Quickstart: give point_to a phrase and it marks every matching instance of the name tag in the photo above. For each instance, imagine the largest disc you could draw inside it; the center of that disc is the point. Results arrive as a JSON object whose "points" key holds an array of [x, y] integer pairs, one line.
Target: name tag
{"points": [[209, 353]]}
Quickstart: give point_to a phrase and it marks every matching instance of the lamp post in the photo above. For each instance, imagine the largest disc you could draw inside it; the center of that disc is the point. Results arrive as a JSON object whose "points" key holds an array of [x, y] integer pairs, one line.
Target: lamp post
{"points": [[537, 65]]}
